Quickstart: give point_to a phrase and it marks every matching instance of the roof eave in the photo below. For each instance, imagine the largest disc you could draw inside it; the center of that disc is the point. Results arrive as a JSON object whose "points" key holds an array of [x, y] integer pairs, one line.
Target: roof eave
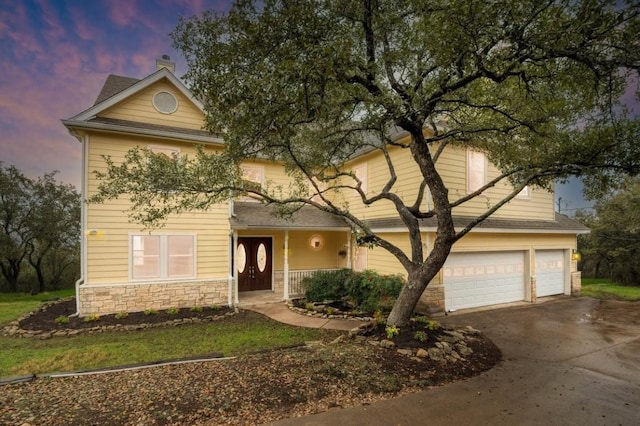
{"points": [[130, 130]]}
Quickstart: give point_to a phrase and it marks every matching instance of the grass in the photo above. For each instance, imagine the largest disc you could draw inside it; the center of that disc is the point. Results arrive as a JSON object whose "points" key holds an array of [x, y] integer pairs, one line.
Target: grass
{"points": [[233, 336], [602, 288], [13, 305]]}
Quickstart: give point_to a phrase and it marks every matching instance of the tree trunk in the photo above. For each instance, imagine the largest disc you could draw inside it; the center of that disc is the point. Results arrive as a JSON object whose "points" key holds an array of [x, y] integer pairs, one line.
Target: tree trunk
{"points": [[11, 272]]}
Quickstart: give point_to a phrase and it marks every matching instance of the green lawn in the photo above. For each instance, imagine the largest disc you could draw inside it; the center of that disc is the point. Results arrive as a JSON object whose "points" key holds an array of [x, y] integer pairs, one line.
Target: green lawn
{"points": [[602, 288], [13, 305], [232, 336]]}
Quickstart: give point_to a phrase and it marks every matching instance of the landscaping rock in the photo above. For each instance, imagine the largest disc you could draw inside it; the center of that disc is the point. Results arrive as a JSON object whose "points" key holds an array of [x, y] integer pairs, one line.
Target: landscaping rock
{"points": [[387, 344], [407, 352], [421, 353], [435, 354]]}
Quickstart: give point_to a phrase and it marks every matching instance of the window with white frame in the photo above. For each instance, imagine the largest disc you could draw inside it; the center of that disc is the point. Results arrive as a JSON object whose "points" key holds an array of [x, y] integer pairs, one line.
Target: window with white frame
{"points": [[163, 256], [169, 151], [252, 177], [476, 170], [525, 193], [361, 173]]}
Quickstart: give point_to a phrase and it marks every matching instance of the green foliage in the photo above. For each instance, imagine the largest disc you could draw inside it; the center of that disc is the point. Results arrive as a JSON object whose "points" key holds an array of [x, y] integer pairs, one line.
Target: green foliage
{"points": [[309, 306], [13, 305], [433, 325], [372, 292], [604, 289], [368, 290], [379, 318], [612, 248], [421, 319], [326, 285], [231, 337], [172, 311], [62, 319], [121, 315], [92, 318], [39, 232], [392, 331], [215, 307], [196, 309], [331, 311], [420, 336], [150, 311]]}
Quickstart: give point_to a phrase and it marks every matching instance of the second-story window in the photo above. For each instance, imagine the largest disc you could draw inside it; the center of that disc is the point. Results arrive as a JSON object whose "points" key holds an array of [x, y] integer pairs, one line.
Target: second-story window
{"points": [[252, 178], [361, 173], [476, 170]]}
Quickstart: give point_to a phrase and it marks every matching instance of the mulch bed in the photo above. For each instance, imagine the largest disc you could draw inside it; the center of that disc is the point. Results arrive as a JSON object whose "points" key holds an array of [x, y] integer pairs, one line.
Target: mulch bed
{"points": [[253, 389], [45, 318]]}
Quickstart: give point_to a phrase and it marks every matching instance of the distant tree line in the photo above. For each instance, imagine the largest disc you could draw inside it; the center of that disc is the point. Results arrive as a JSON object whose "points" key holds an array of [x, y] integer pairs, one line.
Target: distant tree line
{"points": [[39, 232], [612, 249]]}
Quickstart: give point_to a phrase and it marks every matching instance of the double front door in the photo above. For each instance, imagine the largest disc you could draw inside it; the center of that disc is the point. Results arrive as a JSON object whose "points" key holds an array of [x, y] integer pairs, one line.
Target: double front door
{"points": [[254, 263]]}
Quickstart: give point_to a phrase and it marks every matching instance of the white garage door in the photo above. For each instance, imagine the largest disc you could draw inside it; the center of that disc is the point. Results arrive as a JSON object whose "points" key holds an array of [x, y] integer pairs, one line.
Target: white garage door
{"points": [[481, 279], [549, 272]]}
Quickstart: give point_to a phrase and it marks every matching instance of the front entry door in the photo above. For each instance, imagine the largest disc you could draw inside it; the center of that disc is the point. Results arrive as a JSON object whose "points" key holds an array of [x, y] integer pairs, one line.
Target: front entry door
{"points": [[254, 263]]}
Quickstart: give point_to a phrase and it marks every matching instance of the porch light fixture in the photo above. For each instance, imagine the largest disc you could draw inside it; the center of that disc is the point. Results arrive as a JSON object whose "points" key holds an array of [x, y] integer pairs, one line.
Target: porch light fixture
{"points": [[576, 256], [316, 242]]}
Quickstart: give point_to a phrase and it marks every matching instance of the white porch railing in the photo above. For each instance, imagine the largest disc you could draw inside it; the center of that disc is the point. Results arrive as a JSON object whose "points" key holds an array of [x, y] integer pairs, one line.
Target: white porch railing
{"points": [[296, 277]]}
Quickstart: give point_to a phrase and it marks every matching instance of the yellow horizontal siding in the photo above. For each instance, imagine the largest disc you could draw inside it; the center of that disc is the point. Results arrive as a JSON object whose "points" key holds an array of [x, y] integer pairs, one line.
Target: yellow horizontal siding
{"points": [[140, 108], [108, 252], [452, 167]]}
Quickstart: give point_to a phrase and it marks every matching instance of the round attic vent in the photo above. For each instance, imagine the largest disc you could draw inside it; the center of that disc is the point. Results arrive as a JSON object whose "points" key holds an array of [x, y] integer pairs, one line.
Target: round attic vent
{"points": [[165, 102]]}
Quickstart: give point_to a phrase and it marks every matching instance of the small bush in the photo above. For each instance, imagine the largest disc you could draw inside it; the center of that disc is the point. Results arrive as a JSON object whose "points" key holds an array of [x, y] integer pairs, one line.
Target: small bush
{"points": [[121, 315], [310, 306], [392, 331], [331, 311], [150, 312], [62, 320], [92, 318], [215, 307], [372, 292], [172, 311], [433, 325], [326, 285], [196, 309], [420, 336], [379, 317]]}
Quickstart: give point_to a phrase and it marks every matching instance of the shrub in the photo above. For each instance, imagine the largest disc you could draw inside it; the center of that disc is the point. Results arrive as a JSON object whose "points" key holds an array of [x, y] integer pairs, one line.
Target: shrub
{"points": [[420, 336], [215, 307], [392, 331], [150, 312], [196, 309], [92, 318], [373, 292], [62, 320], [172, 311], [121, 315], [326, 285]]}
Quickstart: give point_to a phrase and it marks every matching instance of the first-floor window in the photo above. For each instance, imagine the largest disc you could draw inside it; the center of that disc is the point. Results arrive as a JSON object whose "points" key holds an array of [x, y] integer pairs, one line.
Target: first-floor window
{"points": [[162, 256]]}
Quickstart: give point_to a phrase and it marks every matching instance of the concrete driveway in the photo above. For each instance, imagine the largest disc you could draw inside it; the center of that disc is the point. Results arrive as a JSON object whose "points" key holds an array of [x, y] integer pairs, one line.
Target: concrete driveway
{"points": [[567, 361]]}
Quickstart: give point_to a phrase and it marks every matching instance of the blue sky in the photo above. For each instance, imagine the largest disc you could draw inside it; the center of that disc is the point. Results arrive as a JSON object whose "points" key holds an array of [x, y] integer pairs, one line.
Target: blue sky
{"points": [[55, 56]]}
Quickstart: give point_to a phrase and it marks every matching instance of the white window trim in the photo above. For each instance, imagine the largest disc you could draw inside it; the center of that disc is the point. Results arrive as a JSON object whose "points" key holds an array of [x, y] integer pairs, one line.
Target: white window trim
{"points": [[163, 149], [525, 194], [153, 102], [361, 172], [470, 153], [260, 172], [164, 256]]}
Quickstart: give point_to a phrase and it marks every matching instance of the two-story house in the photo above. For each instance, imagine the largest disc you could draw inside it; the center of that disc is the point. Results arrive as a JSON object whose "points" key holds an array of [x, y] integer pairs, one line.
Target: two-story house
{"points": [[220, 255]]}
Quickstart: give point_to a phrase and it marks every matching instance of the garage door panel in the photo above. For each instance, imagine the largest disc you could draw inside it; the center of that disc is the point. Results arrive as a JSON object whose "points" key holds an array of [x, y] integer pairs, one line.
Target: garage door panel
{"points": [[549, 272], [480, 279]]}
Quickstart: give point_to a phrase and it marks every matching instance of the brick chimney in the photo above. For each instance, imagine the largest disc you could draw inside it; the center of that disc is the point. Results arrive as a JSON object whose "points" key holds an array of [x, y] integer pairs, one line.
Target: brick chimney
{"points": [[165, 62]]}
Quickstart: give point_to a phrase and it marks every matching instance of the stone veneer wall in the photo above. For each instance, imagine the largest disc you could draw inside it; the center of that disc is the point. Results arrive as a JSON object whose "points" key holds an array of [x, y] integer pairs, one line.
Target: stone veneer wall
{"points": [[104, 300], [576, 283], [433, 298]]}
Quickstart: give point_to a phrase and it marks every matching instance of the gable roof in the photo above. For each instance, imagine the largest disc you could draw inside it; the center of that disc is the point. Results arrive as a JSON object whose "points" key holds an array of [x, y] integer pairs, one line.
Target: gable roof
{"points": [[114, 84], [115, 91]]}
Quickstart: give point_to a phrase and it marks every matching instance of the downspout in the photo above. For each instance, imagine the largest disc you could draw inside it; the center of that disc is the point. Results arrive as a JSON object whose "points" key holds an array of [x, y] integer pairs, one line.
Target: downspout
{"points": [[84, 140]]}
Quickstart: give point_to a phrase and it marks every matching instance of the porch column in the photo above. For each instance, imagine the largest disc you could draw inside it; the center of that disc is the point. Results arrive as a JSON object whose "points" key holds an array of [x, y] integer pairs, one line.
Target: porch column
{"points": [[349, 237], [235, 267], [286, 265]]}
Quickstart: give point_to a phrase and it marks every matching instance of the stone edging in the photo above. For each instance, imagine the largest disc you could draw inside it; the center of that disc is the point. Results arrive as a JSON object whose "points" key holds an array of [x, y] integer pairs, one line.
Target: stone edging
{"points": [[309, 313], [13, 329], [451, 345]]}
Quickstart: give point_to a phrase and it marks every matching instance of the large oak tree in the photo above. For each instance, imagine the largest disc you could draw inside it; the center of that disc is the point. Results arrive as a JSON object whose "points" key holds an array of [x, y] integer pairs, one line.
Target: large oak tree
{"points": [[535, 85]]}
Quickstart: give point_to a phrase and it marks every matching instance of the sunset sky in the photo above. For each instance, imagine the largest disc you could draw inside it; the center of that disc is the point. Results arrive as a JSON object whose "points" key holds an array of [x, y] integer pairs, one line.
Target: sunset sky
{"points": [[55, 56]]}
